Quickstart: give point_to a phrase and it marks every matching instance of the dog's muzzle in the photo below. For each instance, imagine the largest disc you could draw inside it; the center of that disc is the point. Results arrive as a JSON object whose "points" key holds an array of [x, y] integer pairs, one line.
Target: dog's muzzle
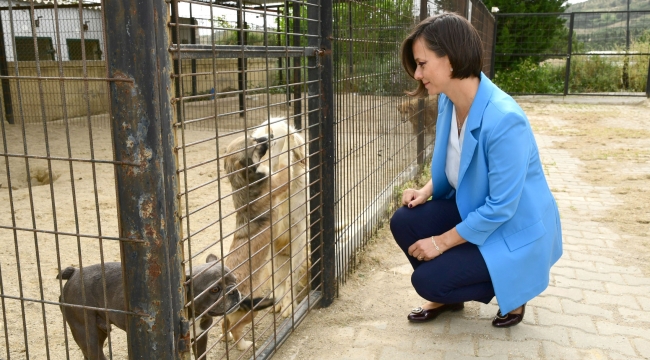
{"points": [[234, 296]]}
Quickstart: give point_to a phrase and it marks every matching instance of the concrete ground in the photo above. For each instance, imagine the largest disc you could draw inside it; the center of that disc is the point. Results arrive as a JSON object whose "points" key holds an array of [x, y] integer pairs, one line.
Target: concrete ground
{"points": [[597, 306]]}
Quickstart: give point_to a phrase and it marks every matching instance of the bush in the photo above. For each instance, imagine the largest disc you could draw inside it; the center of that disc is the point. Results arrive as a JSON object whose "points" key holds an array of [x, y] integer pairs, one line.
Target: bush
{"points": [[529, 77]]}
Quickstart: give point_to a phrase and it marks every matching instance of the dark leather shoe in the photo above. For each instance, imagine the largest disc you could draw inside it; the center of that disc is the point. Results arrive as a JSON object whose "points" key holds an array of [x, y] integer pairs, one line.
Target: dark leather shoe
{"points": [[508, 320], [420, 315]]}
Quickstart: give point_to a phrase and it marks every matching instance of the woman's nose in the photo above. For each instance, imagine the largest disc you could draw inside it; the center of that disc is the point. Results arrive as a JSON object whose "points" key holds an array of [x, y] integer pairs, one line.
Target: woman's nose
{"points": [[418, 74]]}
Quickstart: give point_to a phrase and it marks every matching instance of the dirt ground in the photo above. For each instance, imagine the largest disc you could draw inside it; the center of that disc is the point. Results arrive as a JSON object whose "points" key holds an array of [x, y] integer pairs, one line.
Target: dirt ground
{"points": [[613, 144], [611, 140]]}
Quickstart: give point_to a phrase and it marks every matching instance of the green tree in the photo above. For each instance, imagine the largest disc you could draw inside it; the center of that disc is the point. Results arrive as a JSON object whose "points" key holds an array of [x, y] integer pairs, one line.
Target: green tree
{"points": [[525, 35]]}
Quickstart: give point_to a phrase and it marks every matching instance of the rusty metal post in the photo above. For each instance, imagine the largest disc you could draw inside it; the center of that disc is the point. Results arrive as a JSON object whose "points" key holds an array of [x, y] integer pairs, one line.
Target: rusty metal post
{"points": [[137, 43], [322, 151], [6, 88]]}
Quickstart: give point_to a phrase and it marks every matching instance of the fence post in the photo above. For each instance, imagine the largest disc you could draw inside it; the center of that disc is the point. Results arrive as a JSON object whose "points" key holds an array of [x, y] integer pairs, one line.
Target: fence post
{"points": [[6, 87], [568, 58], [647, 83], [494, 47], [137, 42], [322, 151], [424, 13]]}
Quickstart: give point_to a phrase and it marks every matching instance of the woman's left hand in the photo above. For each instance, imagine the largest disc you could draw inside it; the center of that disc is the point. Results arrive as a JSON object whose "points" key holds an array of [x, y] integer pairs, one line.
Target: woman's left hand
{"points": [[424, 250]]}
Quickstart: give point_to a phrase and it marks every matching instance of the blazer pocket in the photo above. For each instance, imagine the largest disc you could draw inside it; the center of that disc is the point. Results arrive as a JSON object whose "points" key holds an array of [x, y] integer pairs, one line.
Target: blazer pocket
{"points": [[525, 236]]}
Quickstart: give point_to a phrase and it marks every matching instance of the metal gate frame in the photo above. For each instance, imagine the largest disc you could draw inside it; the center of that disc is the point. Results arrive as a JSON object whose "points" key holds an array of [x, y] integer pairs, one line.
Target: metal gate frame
{"points": [[148, 186]]}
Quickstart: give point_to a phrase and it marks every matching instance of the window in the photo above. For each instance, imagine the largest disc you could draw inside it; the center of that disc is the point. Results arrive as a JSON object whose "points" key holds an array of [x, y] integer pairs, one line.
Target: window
{"points": [[25, 48], [93, 50]]}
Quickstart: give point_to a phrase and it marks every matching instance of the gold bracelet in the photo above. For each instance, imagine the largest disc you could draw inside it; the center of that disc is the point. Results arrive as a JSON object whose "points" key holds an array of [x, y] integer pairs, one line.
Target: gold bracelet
{"points": [[436, 245]]}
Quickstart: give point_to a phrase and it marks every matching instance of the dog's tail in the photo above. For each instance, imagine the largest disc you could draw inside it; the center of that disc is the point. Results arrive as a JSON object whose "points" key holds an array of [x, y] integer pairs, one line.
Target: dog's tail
{"points": [[67, 273], [256, 304]]}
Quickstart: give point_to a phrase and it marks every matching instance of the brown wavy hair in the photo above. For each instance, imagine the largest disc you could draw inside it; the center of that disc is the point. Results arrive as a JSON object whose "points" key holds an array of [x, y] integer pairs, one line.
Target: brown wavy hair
{"points": [[450, 35]]}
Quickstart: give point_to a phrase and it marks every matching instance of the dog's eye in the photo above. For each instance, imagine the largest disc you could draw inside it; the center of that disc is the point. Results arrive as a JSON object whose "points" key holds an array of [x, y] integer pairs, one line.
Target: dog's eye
{"points": [[215, 290]]}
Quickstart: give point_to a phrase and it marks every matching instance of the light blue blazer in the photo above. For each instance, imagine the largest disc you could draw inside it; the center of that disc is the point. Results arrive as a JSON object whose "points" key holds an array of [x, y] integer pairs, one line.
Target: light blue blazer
{"points": [[504, 201]]}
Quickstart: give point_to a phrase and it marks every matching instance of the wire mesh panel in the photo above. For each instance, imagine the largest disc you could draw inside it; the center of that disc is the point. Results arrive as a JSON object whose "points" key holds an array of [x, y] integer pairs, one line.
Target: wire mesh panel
{"points": [[57, 182], [603, 53], [246, 123], [374, 149], [382, 136]]}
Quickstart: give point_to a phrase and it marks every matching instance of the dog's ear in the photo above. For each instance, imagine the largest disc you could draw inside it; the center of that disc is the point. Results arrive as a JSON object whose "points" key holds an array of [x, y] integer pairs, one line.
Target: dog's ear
{"points": [[211, 258]]}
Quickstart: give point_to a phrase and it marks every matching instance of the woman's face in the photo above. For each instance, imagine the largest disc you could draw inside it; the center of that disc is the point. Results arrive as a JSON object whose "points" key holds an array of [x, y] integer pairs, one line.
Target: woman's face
{"points": [[434, 71]]}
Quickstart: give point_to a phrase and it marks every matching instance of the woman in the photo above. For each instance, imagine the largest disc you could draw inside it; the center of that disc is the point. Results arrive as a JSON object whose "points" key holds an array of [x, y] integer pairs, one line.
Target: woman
{"points": [[492, 226]]}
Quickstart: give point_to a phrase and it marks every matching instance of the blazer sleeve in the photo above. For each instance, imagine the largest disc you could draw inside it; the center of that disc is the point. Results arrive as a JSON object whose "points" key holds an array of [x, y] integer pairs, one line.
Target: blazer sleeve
{"points": [[508, 149]]}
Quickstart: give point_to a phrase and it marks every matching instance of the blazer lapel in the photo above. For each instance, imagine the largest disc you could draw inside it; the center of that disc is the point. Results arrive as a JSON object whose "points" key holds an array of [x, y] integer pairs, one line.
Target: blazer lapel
{"points": [[475, 116]]}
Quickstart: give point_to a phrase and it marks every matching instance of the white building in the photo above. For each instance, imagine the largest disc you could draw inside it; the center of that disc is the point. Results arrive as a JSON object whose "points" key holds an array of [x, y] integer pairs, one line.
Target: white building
{"points": [[54, 42]]}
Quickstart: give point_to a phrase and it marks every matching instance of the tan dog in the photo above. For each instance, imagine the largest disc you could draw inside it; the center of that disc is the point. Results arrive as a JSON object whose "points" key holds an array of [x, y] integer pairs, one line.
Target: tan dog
{"points": [[409, 110], [290, 230], [253, 190]]}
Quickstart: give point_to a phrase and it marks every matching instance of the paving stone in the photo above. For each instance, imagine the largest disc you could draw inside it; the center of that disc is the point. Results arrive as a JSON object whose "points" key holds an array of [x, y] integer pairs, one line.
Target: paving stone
{"points": [[564, 262], [366, 338], [590, 275], [564, 271], [529, 349], [610, 328], [634, 315], [615, 343], [487, 311], [596, 298], [593, 258], [463, 344], [628, 289], [573, 247], [574, 308], [616, 356], [546, 302], [573, 294], [630, 270], [642, 347], [584, 241], [392, 353], [581, 322], [556, 334], [645, 302], [552, 350], [349, 354], [561, 281], [452, 355], [479, 327], [635, 280]]}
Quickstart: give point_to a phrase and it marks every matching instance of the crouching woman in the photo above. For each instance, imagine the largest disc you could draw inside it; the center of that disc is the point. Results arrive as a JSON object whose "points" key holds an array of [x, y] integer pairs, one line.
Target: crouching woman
{"points": [[491, 227]]}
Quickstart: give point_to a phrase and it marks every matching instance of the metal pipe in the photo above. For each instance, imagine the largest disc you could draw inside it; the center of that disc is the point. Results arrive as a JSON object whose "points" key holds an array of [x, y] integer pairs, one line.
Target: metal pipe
{"points": [[567, 73], [142, 121]]}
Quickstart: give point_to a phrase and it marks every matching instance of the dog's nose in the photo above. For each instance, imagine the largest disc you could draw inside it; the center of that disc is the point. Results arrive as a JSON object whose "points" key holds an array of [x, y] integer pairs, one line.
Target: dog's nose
{"points": [[261, 139]]}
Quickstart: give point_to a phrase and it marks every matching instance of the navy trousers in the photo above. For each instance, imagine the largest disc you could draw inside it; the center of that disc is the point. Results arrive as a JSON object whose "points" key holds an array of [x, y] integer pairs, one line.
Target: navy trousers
{"points": [[460, 273]]}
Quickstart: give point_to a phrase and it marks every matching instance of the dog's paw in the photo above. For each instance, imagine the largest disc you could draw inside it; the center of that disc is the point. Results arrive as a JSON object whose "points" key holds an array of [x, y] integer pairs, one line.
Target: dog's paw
{"points": [[285, 308], [228, 337], [243, 345]]}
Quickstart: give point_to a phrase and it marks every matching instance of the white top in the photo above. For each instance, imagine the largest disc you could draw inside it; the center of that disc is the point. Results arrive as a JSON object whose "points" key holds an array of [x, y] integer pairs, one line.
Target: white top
{"points": [[454, 149]]}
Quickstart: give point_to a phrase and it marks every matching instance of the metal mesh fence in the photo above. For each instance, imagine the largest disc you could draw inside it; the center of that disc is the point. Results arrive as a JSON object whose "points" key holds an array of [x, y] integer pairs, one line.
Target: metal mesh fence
{"points": [[383, 138], [149, 149], [598, 53]]}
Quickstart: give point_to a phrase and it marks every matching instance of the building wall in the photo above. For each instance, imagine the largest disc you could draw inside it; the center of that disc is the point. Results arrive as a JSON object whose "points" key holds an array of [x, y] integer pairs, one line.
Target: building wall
{"points": [[68, 28], [46, 101]]}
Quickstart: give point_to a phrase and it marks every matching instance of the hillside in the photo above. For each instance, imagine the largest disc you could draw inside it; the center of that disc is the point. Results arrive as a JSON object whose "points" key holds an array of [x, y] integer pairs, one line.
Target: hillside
{"points": [[608, 5]]}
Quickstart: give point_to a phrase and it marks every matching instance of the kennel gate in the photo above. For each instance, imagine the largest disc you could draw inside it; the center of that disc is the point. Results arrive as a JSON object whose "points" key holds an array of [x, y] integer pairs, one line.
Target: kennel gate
{"points": [[150, 51], [175, 92]]}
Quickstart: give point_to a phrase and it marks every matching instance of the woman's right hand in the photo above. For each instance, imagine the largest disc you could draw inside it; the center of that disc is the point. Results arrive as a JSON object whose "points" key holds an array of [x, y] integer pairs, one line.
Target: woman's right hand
{"points": [[413, 197]]}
